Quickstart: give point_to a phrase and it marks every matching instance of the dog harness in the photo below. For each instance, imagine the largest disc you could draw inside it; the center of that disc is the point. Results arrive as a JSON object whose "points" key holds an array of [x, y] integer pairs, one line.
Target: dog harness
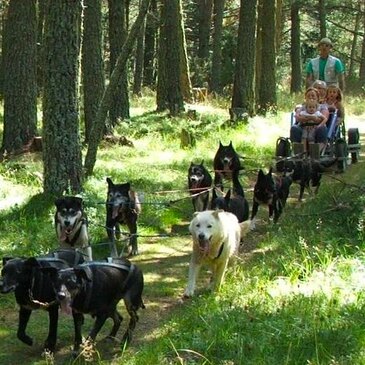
{"points": [[83, 221], [220, 251], [88, 291]]}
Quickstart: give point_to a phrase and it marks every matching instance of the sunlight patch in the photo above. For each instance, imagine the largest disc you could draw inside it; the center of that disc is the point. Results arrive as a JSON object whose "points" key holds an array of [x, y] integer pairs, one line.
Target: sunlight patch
{"points": [[343, 280], [11, 194]]}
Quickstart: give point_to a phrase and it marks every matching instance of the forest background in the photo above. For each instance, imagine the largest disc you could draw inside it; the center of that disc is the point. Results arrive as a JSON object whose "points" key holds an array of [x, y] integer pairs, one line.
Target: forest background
{"points": [[68, 67], [75, 73]]}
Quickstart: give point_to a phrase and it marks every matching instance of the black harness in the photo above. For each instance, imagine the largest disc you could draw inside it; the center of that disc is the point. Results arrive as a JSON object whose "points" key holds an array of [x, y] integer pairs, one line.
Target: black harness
{"points": [[72, 242], [220, 251], [88, 287]]}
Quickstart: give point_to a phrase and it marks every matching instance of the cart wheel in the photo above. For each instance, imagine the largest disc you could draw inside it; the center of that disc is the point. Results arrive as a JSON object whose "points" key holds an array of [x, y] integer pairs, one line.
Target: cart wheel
{"points": [[341, 153], [353, 138]]}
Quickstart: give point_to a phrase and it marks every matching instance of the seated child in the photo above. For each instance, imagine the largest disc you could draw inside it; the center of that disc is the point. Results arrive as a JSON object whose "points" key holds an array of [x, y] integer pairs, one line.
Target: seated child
{"points": [[311, 109], [334, 102]]}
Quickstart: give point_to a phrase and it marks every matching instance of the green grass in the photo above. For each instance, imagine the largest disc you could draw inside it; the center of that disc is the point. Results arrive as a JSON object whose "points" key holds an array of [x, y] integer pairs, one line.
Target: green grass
{"points": [[293, 296]]}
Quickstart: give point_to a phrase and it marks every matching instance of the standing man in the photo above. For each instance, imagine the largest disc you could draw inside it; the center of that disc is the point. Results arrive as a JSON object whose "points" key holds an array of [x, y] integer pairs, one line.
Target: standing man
{"points": [[326, 67]]}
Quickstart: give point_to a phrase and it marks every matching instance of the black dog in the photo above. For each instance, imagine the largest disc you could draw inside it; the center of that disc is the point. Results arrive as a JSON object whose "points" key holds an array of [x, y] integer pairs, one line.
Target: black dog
{"points": [[237, 205], [306, 173], [122, 207], [270, 192], [95, 288], [227, 165], [199, 182], [71, 224], [283, 151], [34, 290]]}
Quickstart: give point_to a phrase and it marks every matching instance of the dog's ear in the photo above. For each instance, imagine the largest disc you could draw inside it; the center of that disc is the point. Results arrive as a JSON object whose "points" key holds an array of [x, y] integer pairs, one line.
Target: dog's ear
{"points": [[83, 273], [270, 171], [215, 214], [202, 163], [230, 144], [191, 163], [58, 202], [128, 186], [32, 262], [109, 181], [195, 214], [6, 259], [227, 197], [261, 173]]}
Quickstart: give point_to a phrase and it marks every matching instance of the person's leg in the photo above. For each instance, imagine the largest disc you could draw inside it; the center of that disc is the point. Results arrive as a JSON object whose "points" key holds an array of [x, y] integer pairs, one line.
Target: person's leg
{"points": [[296, 133], [321, 136]]}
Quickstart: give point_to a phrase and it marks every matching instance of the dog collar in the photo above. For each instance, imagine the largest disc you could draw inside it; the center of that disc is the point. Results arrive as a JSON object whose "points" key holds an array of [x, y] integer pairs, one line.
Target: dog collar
{"points": [[220, 251]]}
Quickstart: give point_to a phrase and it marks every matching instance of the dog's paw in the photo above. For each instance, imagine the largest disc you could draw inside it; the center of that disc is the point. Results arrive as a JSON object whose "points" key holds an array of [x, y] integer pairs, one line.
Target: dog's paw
{"points": [[26, 339]]}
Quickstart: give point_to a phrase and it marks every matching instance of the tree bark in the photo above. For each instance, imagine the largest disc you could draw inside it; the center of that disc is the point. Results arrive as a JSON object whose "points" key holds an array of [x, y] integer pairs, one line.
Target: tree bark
{"points": [[117, 35], [62, 159], [243, 85], [296, 74], [92, 63], [267, 93], [216, 70], [19, 76], [109, 93]]}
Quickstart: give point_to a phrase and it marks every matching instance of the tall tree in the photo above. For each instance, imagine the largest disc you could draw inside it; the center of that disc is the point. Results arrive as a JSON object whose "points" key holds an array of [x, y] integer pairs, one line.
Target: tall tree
{"points": [[111, 88], [117, 35], [149, 71], [322, 13], [19, 75], [61, 140], [296, 74], [267, 89], [205, 24], [169, 91], [351, 69], [92, 65], [243, 86], [216, 70], [185, 81], [362, 62], [138, 63]]}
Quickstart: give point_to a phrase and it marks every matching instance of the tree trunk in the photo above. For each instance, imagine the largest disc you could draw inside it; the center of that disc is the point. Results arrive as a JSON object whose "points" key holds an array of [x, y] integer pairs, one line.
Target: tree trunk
{"points": [[205, 23], [92, 63], [185, 81], [61, 139], [111, 89], [169, 91], [267, 92], [354, 41], [138, 63], [19, 76], [117, 36], [243, 86], [149, 75], [322, 18], [296, 73], [216, 71], [362, 62]]}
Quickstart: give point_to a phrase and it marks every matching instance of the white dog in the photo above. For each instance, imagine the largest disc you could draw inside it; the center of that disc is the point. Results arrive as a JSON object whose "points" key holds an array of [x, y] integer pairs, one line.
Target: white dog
{"points": [[216, 236]]}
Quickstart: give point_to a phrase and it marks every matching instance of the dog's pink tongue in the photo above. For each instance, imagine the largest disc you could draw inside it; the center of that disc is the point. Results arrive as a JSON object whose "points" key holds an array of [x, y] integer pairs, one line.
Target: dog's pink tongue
{"points": [[63, 235], [204, 247], [115, 212]]}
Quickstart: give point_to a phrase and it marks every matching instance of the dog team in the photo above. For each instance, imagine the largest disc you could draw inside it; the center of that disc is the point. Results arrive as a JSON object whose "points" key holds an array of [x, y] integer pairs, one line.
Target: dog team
{"points": [[70, 280]]}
